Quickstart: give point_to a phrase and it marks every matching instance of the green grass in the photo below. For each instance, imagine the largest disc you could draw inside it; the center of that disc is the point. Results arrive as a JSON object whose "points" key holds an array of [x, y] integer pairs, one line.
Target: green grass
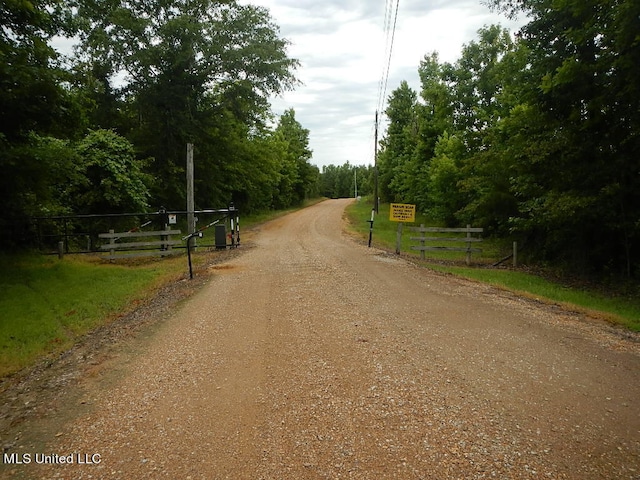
{"points": [[619, 309], [616, 309], [46, 304]]}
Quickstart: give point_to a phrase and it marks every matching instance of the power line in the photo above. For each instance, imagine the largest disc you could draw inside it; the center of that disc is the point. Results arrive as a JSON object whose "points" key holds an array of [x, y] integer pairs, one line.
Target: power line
{"points": [[389, 41], [386, 29], [393, 36], [384, 78], [387, 16]]}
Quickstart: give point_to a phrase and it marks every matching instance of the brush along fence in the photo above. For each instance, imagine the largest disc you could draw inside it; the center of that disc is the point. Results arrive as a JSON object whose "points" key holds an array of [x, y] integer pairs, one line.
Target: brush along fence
{"points": [[468, 239]]}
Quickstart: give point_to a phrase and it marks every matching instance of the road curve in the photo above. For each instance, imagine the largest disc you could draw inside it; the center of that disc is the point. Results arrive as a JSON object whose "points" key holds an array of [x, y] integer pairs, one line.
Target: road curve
{"points": [[311, 356]]}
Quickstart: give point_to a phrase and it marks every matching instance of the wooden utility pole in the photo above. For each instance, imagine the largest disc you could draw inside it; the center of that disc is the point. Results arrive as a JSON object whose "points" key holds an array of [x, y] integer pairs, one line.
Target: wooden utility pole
{"points": [[191, 223], [375, 168], [355, 183]]}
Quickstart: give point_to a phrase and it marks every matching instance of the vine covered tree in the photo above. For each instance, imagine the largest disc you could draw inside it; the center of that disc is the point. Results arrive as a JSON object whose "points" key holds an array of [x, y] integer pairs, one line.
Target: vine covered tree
{"points": [[110, 179]]}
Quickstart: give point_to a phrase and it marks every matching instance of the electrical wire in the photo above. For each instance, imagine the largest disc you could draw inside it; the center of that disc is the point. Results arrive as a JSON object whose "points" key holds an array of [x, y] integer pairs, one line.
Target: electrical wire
{"points": [[390, 32]]}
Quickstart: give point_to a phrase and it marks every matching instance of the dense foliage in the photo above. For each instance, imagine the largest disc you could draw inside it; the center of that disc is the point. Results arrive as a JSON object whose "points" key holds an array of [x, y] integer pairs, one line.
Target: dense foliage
{"points": [[105, 128], [534, 137]]}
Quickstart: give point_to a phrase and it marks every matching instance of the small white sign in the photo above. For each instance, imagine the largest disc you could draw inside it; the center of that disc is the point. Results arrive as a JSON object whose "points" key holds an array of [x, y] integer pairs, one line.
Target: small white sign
{"points": [[173, 219]]}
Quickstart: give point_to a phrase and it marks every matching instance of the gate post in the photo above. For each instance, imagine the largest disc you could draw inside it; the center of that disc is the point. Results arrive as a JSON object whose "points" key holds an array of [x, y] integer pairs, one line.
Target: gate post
{"points": [[399, 237], [468, 245]]}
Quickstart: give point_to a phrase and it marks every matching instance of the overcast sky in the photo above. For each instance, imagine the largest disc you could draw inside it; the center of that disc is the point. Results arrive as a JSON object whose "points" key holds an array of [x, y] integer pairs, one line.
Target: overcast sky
{"points": [[343, 49]]}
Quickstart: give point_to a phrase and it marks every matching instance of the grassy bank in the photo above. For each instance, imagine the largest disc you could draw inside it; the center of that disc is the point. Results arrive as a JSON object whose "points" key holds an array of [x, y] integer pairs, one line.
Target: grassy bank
{"points": [[47, 304], [619, 309]]}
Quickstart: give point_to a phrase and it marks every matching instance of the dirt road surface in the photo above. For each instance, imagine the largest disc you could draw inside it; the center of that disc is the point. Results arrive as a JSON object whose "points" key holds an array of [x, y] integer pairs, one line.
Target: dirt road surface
{"points": [[311, 356]]}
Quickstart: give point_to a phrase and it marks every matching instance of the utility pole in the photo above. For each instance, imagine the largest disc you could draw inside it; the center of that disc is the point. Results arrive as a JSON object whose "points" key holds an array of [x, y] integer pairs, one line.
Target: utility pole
{"points": [[191, 224], [375, 168], [355, 182]]}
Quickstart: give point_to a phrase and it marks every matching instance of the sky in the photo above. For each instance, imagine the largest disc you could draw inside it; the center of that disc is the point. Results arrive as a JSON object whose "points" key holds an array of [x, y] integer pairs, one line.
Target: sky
{"points": [[343, 49]]}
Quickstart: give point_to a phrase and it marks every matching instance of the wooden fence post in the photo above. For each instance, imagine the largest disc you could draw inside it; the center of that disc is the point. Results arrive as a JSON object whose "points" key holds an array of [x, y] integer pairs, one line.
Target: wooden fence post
{"points": [[191, 224], [112, 241], [468, 245], [399, 237]]}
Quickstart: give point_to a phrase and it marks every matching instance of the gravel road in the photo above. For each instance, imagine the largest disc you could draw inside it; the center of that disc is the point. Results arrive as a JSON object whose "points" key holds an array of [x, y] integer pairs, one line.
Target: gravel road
{"points": [[311, 356]]}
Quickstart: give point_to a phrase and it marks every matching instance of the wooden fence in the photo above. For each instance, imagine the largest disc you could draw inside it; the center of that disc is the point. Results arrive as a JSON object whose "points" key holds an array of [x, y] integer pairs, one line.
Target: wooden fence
{"points": [[161, 247], [468, 239]]}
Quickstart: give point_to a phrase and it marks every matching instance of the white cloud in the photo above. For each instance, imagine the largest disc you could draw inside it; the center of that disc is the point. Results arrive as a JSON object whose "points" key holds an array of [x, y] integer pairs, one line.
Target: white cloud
{"points": [[341, 47]]}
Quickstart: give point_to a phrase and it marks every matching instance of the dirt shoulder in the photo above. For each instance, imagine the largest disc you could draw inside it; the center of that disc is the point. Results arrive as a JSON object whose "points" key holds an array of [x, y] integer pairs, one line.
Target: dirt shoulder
{"points": [[312, 356]]}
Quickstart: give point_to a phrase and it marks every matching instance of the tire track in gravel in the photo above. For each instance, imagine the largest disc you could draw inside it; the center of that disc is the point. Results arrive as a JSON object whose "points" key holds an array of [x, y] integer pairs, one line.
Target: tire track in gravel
{"points": [[313, 357]]}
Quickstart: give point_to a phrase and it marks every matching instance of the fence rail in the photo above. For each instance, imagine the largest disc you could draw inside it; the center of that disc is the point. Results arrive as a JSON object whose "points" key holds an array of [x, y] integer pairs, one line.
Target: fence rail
{"points": [[468, 239], [80, 233], [162, 247]]}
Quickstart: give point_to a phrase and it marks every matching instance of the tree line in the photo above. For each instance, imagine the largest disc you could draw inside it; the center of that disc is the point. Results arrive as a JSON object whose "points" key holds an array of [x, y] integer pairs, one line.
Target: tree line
{"points": [[346, 180], [104, 129], [533, 136]]}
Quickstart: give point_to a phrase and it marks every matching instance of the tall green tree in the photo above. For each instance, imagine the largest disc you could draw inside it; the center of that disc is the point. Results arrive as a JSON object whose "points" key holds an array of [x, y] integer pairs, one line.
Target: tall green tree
{"points": [[436, 109], [435, 114], [395, 168], [480, 76], [298, 178], [186, 66], [579, 189], [31, 96], [485, 74]]}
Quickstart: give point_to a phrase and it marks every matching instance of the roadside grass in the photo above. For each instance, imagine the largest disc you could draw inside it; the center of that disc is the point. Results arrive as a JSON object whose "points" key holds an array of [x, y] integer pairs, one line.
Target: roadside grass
{"points": [[615, 309], [619, 308], [47, 304]]}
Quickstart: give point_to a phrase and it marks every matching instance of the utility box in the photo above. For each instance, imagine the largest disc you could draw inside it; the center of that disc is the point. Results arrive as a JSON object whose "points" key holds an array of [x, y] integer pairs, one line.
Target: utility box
{"points": [[221, 236]]}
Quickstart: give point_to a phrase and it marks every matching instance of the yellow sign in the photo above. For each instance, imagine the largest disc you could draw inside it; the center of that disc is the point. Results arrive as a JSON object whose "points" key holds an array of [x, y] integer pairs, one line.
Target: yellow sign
{"points": [[402, 212]]}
